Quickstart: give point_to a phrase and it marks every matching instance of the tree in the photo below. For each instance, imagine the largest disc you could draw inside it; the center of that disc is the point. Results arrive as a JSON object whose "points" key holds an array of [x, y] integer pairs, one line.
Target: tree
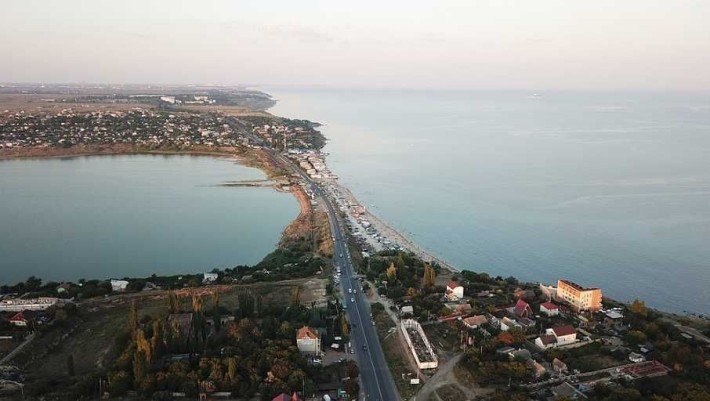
{"points": [[429, 278], [400, 261], [173, 302], [344, 328], [157, 342], [133, 319], [638, 307], [295, 296], [392, 273], [351, 370], [70, 365], [216, 314], [139, 368]]}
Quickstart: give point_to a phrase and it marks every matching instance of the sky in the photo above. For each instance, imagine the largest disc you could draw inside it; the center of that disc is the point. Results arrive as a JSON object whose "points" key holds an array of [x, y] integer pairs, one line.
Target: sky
{"points": [[472, 44]]}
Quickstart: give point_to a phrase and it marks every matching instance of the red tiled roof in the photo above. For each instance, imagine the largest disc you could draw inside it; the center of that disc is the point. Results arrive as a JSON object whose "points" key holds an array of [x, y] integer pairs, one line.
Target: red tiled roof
{"points": [[549, 306], [522, 308], [306, 332], [564, 330], [476, 320], [452, 285], [282, 397], [18, 317], [548, 339]]}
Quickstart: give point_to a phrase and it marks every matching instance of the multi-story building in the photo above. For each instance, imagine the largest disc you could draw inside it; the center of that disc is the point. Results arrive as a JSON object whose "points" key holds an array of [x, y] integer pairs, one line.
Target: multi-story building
{"points": [[578, 297], [308, 341]]}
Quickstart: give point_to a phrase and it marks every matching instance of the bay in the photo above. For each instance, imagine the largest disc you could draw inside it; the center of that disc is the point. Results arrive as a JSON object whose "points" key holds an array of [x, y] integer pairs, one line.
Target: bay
{"points": [[606, 189], [132, 216]]}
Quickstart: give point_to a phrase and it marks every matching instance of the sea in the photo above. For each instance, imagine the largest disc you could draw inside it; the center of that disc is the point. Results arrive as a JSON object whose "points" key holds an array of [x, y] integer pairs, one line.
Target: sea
{"points": [[133, 216], [609, 190]]}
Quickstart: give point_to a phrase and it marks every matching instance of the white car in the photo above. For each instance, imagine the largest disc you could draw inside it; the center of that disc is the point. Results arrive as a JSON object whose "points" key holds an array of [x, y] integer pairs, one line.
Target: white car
{"points": [[352, 299], [354, 291], [350, 290]]}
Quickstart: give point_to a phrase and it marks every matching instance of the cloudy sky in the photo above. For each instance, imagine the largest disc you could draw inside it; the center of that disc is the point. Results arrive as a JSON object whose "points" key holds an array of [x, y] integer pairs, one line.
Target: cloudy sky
{"points": [[487, 44]]}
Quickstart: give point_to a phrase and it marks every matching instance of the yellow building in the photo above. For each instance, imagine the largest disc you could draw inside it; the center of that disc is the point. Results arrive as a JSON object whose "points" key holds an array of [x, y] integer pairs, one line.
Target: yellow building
{"points": [[580, 298]]}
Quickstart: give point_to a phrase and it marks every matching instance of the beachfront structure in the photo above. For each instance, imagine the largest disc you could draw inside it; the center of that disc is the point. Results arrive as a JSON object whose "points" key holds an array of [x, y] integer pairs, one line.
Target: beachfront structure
{"points": [[19, 305], [454, 291], [419, 345], [308, 341], [578, 297], [549, 309]]}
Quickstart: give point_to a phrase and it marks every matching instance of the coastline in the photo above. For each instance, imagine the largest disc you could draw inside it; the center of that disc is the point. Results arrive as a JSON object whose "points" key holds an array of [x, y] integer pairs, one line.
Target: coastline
{"points": [[397, 236]]}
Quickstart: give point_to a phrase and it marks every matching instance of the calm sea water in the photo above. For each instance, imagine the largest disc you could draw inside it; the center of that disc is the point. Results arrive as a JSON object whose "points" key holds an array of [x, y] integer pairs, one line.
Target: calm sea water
{"points": [[117, 216], [609, 190]]}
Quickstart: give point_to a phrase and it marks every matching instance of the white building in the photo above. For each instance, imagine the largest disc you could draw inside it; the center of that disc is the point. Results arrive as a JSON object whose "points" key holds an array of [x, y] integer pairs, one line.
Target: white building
{"points": [[507, 323], [557, 336], [454, 291], [308, 341], [119, 285], [549, 309], [209, 277]]}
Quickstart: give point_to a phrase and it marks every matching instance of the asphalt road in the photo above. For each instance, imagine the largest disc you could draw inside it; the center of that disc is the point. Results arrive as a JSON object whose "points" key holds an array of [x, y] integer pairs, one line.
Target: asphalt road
{"points": [[375, 378]]}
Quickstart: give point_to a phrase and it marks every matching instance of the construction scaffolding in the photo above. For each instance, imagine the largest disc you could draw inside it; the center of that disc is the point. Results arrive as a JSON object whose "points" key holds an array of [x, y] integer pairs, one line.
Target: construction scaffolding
{"points": [[419, 345]]}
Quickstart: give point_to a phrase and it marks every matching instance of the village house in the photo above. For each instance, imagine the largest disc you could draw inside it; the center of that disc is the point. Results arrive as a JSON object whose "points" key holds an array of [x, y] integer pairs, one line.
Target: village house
{"points": [[549, 309], [454, 291], [614, 319], [522, 309], [557, 336], [407, 311], [308, 341], [22, 319], [286, 397], [208, 278], [537, 369], [567, 391], [559, 367], [475, 322], [507, 323]]}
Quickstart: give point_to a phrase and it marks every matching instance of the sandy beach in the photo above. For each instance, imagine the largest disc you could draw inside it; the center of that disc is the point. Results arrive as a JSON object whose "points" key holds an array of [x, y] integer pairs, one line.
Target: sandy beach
{"points": [[387, 231]]}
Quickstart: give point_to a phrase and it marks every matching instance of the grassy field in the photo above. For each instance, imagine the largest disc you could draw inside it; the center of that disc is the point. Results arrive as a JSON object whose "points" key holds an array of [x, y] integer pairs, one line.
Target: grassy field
{"points": [[396, 354]]}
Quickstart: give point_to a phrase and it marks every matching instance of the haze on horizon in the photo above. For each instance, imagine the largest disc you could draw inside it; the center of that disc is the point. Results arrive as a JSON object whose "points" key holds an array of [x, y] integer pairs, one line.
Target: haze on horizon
{"points": [[492, 44]]}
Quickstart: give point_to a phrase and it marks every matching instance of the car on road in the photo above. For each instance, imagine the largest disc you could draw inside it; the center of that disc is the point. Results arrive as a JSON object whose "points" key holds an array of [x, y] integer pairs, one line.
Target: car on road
{"points": [[350, 290], [354, 291], [373, 322], [364, 347], [352, 299], [341, 255]]}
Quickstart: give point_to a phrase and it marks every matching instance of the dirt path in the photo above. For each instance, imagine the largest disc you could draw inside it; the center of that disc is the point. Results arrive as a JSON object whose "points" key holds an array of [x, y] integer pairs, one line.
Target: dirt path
{"points": [[437, 380]]}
